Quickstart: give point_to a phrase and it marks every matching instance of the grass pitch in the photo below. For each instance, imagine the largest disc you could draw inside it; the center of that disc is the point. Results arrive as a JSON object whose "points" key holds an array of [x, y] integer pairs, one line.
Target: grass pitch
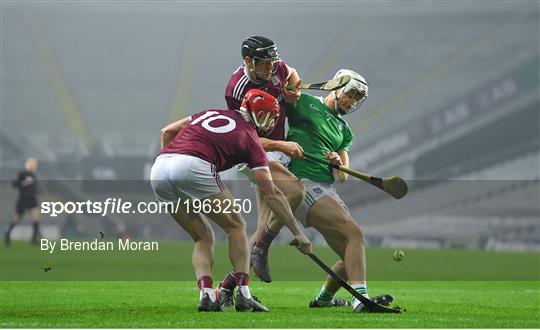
{"points": [[163, 304], [441, 299]]}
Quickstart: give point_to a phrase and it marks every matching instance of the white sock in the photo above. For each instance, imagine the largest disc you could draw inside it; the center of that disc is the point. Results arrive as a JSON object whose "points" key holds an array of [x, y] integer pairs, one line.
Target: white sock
{"points": [[211, 294], [362, 289], [245, 291]]}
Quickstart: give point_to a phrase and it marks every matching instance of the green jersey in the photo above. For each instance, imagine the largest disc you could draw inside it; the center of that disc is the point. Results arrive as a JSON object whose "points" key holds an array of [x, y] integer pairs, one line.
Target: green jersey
{"points": [[318, 129]]}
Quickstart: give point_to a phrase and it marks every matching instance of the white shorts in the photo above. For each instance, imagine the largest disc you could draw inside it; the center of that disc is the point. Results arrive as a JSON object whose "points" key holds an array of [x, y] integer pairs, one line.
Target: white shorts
{"points": [[278, 156], [272, 156], [314, 192], [176, 176]]}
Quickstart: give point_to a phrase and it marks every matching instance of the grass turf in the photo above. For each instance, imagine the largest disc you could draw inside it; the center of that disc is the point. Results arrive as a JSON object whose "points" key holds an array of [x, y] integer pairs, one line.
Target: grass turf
{"points": [[439, 289], [173, 262], [161, 304]]}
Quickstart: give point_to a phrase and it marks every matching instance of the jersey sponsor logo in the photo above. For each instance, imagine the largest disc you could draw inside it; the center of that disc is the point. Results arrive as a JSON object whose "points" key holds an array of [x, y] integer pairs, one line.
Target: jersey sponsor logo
{"points": [[314, 107]]}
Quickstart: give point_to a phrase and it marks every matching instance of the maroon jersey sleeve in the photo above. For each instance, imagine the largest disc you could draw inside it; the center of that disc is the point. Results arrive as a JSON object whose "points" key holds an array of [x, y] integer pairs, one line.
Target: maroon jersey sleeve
{"points": [[282, 72], [235, 88], [195, 116], [257, 156]]}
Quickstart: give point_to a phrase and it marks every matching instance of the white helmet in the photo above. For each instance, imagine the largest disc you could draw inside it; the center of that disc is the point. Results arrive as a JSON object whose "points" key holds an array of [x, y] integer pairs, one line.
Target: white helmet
{"points": [[357, 85]]}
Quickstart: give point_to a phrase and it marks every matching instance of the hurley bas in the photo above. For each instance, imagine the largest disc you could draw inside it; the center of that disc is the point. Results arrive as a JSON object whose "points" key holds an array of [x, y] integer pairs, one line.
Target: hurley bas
{"points": [[98, 245]]}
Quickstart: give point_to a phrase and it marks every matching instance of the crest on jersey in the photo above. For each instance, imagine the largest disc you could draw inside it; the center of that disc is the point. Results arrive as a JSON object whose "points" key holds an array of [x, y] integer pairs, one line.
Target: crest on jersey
{"points": [[275, 80], [340, 126]]}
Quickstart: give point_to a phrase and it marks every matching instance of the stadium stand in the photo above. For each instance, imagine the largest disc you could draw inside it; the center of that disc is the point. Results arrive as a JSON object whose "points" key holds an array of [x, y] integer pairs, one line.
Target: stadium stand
{"points": [[93, 98]]}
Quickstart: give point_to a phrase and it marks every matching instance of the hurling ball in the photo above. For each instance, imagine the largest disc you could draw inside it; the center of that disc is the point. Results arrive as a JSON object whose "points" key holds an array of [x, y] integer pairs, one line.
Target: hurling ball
{"points": [[398, 255]]}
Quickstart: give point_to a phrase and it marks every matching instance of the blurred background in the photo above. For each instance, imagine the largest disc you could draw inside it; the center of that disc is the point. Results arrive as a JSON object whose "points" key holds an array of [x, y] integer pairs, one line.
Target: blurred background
{"points": [[453, 107]]}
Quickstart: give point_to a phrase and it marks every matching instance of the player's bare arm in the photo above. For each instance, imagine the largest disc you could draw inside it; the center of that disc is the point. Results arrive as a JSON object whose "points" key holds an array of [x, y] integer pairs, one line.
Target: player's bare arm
{"points": [[169, 132], [293, 79], [279, 205], [290, 148], [341, 157]]}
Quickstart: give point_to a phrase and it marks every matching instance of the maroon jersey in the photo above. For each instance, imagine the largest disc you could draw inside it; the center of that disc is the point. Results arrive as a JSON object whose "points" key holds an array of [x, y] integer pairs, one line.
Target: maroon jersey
{"points": [[223, 138], [239, 84]]}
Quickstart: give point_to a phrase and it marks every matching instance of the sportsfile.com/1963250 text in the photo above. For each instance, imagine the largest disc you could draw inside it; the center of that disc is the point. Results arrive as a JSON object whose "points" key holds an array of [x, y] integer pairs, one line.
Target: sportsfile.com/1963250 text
{"points": [[118, 206]]}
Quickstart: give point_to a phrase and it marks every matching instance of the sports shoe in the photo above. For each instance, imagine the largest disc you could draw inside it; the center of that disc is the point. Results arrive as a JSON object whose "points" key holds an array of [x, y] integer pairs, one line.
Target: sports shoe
{"points": [[384, 300], [225, 297], [207, 305], [259, 263], [335, 302], [244, 304]]}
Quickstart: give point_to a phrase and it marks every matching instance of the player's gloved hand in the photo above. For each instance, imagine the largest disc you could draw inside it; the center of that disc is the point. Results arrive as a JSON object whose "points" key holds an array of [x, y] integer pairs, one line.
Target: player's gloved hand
{"points": [[334, 158], [292, 95], [302, 243], [292, 149]]}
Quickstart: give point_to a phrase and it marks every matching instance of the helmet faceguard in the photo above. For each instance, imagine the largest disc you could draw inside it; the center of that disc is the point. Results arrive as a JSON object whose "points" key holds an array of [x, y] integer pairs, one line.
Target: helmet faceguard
{"points": [[263, 110], [261, 51], [349, 98]]}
